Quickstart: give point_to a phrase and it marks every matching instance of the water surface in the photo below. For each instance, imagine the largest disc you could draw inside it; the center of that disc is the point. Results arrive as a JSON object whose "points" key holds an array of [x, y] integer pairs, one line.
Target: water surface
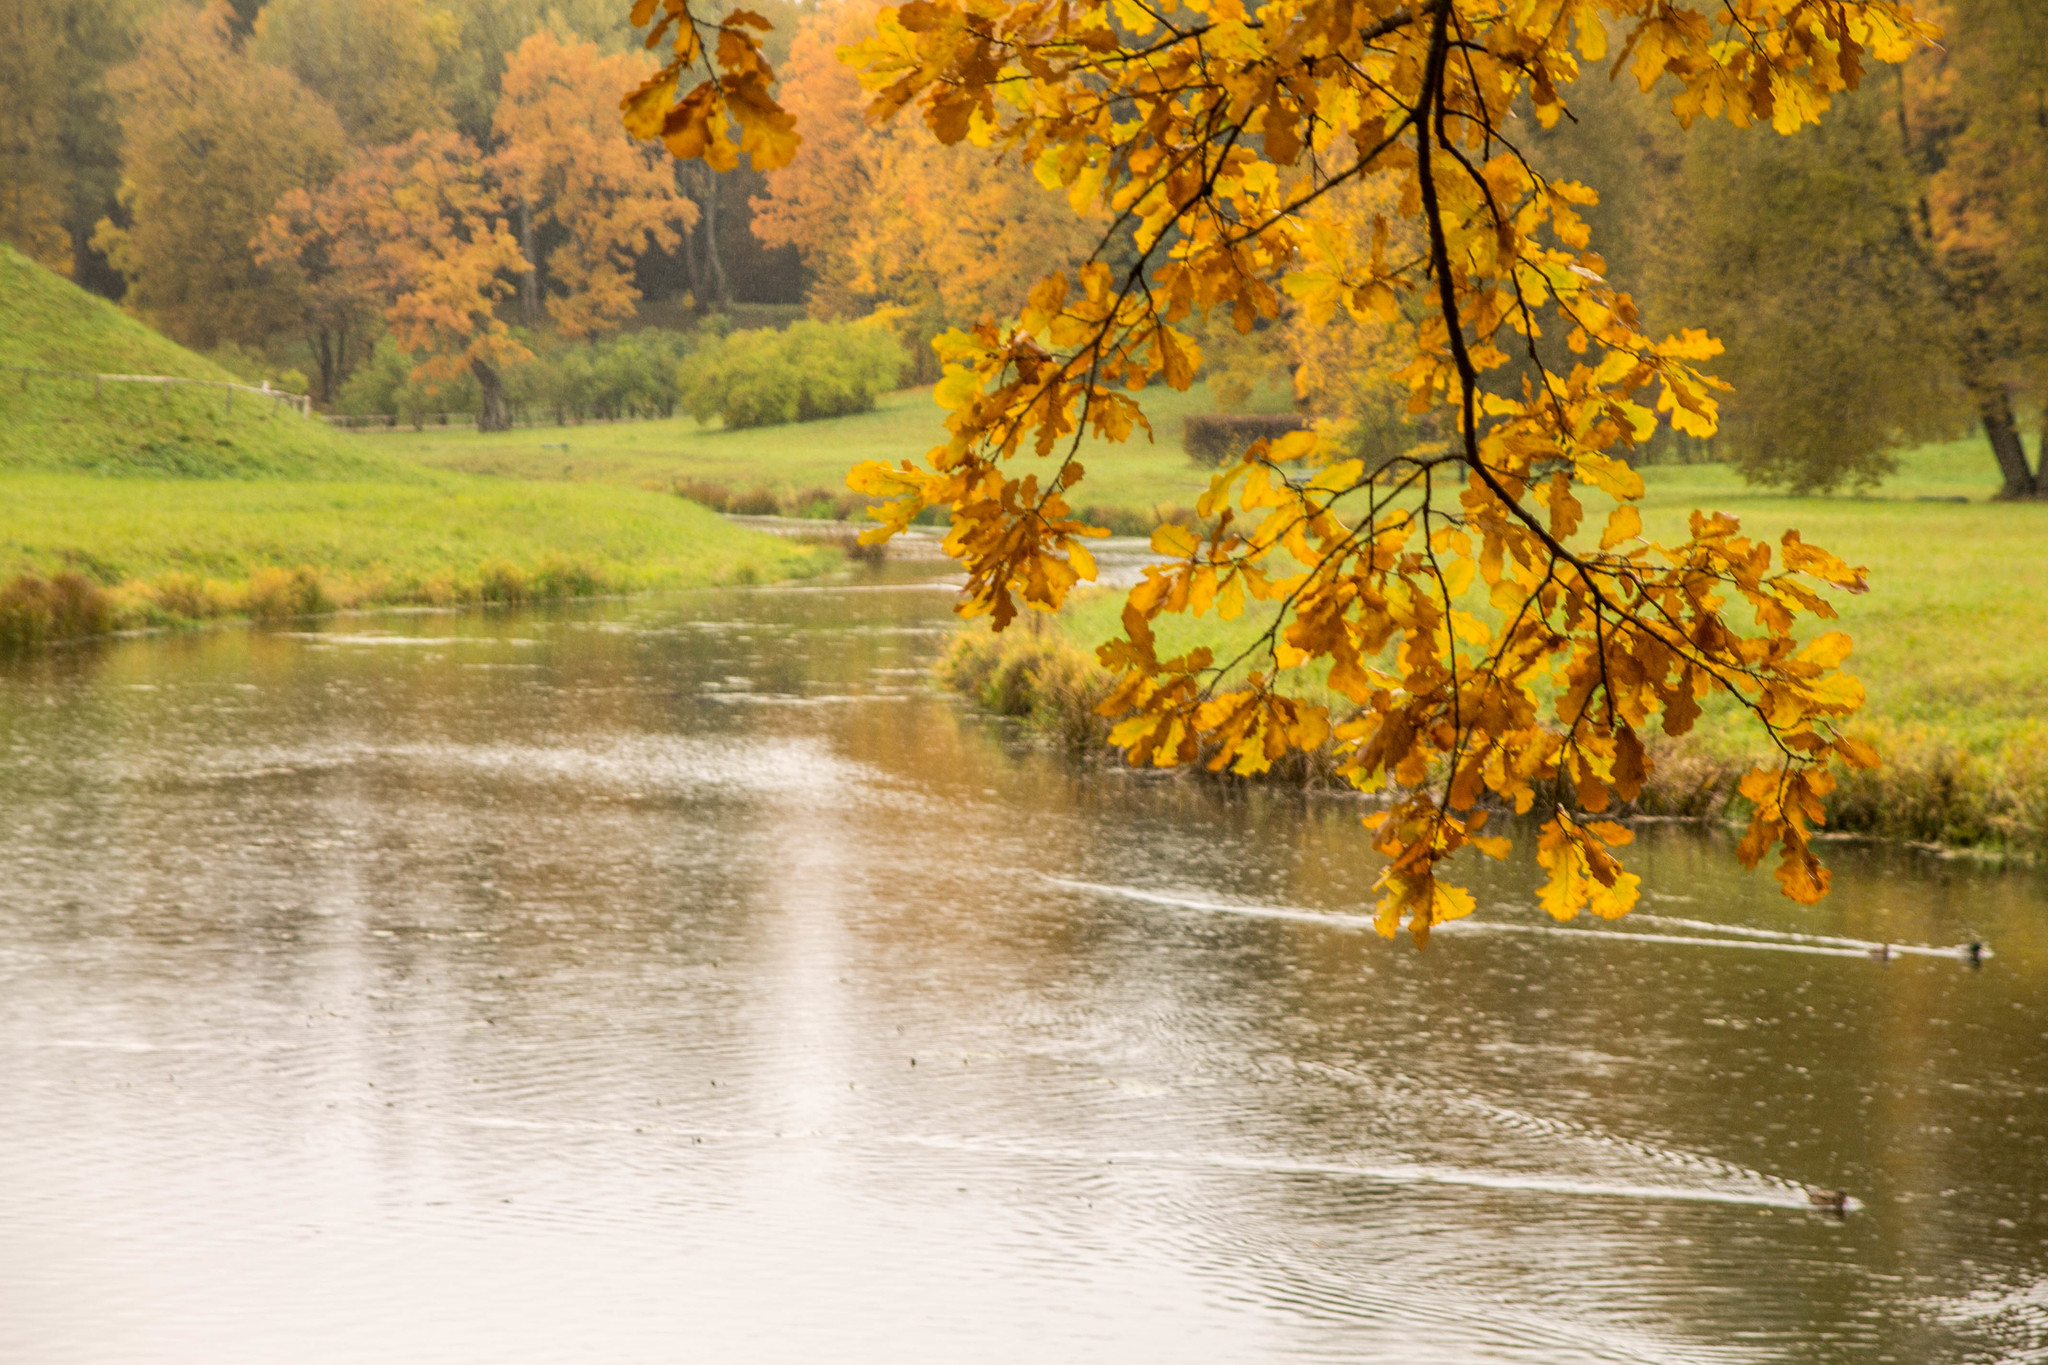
{"points": [[681, 979]]}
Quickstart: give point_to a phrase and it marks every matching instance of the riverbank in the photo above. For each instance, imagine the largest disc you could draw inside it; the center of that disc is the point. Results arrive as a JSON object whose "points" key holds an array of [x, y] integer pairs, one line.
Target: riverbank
{"points": [[1951, 644], [89, 555]]}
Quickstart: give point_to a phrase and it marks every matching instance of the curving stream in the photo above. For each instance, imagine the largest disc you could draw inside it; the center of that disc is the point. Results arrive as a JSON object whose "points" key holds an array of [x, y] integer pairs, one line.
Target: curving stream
{"points": [[680, 979]]}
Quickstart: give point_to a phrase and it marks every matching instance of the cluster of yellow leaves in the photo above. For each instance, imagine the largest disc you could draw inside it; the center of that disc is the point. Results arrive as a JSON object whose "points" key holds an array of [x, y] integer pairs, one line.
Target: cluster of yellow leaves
{"points": [[1489, 653], [737, 89]]}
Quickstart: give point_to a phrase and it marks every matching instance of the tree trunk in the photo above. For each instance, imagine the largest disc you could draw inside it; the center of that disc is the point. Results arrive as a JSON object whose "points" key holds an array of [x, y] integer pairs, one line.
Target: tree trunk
{"points": [[322, 342], [714, 268], [529, 282], [1994, 405], [493, 413]]}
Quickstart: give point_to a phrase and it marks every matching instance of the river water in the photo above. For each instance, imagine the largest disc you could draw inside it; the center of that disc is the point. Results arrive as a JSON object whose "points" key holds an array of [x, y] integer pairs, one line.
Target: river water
{"points": [[681, 979]]}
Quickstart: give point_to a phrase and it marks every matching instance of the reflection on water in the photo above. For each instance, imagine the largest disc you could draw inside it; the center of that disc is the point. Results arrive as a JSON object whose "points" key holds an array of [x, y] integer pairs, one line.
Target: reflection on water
{"points": [[677, 979]]}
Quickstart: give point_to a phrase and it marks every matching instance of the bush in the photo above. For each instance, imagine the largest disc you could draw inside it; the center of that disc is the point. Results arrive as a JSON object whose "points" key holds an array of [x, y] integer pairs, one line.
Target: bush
{"points": [[1217, 438], [810, 504], [809, 371], [36, 610], [274, 595], [632, 375], [186, 597], [384, 387], [1035, 675], [755, 502]]}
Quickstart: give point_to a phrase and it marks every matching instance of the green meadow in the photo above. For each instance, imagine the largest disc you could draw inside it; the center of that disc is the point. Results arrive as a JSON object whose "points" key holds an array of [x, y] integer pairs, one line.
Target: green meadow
{"points": [[1138, 476]]}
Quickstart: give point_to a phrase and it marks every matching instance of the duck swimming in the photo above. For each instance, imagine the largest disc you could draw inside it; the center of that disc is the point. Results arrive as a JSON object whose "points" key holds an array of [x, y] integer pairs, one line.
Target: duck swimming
{"points": [[1833, 1200]]}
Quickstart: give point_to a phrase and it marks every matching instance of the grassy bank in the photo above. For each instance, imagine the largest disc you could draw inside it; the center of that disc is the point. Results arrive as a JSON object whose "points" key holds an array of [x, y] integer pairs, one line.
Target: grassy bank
{"points": [[1951, 644], [152, 552]]}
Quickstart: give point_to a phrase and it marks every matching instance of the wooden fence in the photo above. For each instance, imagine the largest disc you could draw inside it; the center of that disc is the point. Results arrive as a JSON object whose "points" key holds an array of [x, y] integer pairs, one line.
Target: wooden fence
{"points": [[420, 421], [297, 402]]}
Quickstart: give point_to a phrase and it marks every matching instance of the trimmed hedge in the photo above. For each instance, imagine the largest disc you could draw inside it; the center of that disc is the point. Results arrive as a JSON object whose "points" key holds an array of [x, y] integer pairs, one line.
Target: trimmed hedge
{"points": [[1216, 438]]}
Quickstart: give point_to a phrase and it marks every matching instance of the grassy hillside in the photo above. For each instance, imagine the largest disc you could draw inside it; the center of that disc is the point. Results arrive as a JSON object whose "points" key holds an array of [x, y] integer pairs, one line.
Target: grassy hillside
{"points": [[136, 507], [162, 550], [50, 422]]}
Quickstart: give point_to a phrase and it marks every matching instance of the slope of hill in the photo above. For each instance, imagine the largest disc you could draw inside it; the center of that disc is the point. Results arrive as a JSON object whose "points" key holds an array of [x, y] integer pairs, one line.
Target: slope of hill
{"points": [[55, 421], [136, 505]]}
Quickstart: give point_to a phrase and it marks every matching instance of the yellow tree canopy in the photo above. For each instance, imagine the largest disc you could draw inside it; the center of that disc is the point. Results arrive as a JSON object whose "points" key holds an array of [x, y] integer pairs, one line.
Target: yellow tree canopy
{"points": [[888, 217], [1498, 642], [563, 152]]}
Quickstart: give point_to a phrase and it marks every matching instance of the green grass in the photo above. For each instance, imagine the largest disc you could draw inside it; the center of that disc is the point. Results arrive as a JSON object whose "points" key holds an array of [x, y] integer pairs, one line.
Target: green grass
{"points": [[659, 454], [441, 538], [152, 431]]}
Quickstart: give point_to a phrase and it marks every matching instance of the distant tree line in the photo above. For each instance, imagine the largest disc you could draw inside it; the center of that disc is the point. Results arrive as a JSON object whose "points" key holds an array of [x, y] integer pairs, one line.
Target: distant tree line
{"points": [[287, 184]]}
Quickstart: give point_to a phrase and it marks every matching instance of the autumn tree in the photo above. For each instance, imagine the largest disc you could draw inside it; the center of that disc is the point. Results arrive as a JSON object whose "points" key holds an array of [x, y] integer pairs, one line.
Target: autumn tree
{"points": [[59, 135], [1970, 116], [888, 217], [1799, 253], [326, 282], [210, 140], [374, 61], [422, 229], [1497, 638], [31, 174], [489, 31], [1877, 282], [567, 166]]}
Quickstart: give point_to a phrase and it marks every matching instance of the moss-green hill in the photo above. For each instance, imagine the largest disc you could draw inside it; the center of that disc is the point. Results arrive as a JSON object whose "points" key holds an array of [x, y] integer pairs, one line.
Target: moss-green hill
{"points": [[168, 431]]}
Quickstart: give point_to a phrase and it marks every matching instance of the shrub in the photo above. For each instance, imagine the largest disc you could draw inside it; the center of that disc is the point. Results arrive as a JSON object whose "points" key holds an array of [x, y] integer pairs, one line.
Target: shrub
{"points": [[384, 386], [36, 610], [499, 580], [1035, 675], [810, 504], [187, 596], [755, 502], [558, 577], [809, 371], [1216, 438], [704, 493], [274, 595]]}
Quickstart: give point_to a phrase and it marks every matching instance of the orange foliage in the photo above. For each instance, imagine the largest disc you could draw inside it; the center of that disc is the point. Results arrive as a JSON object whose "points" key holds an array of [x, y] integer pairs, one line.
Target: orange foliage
{"points": [[564, 152], [421, 227], [211, 140], [1498, 641], [885, 216]]}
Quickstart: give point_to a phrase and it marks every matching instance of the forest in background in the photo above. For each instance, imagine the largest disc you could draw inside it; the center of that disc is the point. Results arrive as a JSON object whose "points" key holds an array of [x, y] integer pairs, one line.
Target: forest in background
{"points": [[438, 193]]}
